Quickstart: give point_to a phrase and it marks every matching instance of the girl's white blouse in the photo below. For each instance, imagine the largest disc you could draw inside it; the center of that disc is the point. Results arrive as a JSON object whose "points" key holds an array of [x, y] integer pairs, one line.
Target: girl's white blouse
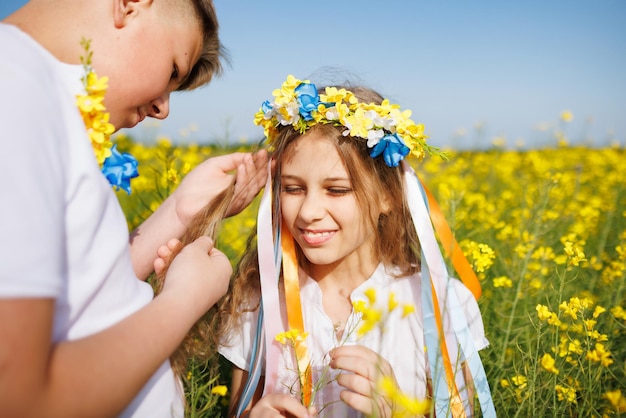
{"points": [[399, 340]]}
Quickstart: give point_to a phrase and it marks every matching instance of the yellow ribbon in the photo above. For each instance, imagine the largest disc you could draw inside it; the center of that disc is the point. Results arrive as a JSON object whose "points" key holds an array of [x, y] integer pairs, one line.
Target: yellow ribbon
{"points": [[451, 247], [294, 312], [456, 404]]}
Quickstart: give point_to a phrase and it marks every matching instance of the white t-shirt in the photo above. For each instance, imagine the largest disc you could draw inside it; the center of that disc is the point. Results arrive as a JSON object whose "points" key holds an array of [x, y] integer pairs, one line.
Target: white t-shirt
{"points": [[401, 342], [64, 235]]}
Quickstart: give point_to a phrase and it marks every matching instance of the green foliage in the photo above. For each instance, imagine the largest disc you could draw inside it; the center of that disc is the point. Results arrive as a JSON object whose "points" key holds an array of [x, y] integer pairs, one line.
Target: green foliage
{"points": [[555, 220]]}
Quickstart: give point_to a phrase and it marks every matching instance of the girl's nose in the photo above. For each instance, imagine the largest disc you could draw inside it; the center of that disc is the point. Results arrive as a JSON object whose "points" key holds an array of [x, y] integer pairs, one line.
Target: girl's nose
{"points": [[312, 208]]}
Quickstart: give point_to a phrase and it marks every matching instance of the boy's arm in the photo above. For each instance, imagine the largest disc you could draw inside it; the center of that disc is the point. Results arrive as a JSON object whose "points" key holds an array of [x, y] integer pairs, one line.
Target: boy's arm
{"points": [[196, 190], [99, 375]]}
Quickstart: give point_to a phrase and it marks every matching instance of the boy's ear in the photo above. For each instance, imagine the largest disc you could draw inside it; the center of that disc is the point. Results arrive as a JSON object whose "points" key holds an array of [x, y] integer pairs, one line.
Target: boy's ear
{"points": [[124, 10]]}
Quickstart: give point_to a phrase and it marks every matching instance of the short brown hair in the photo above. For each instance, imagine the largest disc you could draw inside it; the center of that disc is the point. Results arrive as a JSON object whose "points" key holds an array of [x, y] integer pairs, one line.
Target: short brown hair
{"points": [[209, 63]]}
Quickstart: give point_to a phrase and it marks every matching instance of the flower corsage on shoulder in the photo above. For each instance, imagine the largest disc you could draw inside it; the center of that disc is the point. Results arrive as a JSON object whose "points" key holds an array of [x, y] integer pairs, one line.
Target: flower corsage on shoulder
{"points": [[117, 167], [389, 131]]}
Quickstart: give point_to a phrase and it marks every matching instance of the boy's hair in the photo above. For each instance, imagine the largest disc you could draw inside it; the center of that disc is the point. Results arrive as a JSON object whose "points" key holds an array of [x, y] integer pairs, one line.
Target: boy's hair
{"points": [[373, 181], [213, 51]]}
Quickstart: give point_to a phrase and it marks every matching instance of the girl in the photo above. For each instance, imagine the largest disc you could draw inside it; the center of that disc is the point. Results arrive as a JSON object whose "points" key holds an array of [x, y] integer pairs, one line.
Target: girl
{"points": [[346, 211], [362, 318]]}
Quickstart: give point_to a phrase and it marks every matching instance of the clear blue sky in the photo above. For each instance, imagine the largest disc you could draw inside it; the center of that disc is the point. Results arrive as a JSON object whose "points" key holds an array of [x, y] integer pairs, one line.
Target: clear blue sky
{"points": [[509, 67]]}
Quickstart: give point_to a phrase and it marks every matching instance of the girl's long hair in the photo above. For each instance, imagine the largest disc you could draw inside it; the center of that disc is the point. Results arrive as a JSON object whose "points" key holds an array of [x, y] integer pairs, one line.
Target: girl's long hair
{"points": [[372, 181], [199, 343]]}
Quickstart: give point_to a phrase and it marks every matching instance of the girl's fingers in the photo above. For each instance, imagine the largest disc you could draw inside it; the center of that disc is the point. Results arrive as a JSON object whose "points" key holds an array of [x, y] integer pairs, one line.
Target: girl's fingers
{"points": [[359, 360], [355, 383]]}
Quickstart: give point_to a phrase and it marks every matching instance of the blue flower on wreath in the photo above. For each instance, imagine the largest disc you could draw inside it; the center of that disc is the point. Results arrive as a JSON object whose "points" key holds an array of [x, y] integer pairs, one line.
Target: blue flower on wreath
{"points": [[266, 106], [393, 149], [308, 99], [119, 168]]}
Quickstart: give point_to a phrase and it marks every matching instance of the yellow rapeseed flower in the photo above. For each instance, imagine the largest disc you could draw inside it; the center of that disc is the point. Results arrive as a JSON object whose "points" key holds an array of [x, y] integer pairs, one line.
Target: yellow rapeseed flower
{"points": [[407, 309], [567, 116], [404, 405], [291, 336], [574, 253], [617, 400], [393, 303], [600, 355], [619, 312], [598, 311], [569, 310], [565, 393], [219, 390], [502, 281], [520, 381], [548, 363]]}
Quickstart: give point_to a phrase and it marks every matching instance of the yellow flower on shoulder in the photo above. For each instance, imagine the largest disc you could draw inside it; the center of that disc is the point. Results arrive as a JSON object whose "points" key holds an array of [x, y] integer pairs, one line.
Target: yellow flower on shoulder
{"points": [[89, 103], [95, 85]]}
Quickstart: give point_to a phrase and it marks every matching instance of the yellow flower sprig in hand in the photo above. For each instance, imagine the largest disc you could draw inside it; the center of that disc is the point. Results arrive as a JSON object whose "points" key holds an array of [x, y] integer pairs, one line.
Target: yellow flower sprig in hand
{"points": [[294, 338], [374, 316]]}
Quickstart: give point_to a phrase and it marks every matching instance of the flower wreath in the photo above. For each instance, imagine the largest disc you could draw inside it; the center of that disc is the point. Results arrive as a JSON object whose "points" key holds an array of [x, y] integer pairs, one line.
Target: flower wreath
{"points": [[118, 168], [388, 130]]}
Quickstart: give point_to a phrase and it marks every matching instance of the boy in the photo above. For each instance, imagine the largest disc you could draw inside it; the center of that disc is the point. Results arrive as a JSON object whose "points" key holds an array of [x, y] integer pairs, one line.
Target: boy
{"points": [[80, 334]]}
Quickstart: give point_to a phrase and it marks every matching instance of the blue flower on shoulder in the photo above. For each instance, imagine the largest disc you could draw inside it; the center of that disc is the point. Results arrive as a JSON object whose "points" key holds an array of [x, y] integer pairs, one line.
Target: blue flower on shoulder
{"points": [[308, 99], [119, 168], [393, 149]]}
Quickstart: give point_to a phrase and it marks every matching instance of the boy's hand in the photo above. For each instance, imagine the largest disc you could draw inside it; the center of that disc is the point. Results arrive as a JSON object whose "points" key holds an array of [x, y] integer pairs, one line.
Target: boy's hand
{"points": [[365, 369], [199, 275], [276, 405], [212, 176]]}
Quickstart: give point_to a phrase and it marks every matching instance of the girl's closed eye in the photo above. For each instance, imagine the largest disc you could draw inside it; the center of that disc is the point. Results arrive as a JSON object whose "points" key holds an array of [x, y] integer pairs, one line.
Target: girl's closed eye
{"points": [[339, 191], [292, 189]]}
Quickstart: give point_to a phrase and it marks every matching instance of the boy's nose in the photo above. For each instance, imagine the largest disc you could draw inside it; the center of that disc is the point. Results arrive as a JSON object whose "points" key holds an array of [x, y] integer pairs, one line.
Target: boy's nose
{"points": [[160, 108]]}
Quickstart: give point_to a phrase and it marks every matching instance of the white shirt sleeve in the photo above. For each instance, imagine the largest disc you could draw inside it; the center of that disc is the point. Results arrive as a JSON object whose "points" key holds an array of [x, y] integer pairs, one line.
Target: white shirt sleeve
{"points": [[32, 221], [237, 347]]}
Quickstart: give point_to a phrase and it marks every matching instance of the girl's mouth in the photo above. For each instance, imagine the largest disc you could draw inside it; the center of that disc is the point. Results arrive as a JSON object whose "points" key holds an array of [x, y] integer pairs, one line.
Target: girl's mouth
{"points": [[316, 237]]}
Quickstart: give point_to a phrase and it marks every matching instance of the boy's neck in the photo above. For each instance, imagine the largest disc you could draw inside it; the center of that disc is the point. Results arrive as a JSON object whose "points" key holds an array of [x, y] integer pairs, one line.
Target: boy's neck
{"points": [[58, 26]]}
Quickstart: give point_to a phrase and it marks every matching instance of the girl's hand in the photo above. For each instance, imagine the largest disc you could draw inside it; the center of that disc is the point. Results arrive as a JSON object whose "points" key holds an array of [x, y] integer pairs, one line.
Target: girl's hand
{"points": [[365, 370], [214, 175], [198, 275], [164, 253], [276, 405]]}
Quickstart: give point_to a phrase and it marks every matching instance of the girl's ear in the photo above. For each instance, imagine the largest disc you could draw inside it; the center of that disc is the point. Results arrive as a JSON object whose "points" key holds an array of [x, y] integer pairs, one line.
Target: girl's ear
{"points": [[124, 10], [385, 206]]}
